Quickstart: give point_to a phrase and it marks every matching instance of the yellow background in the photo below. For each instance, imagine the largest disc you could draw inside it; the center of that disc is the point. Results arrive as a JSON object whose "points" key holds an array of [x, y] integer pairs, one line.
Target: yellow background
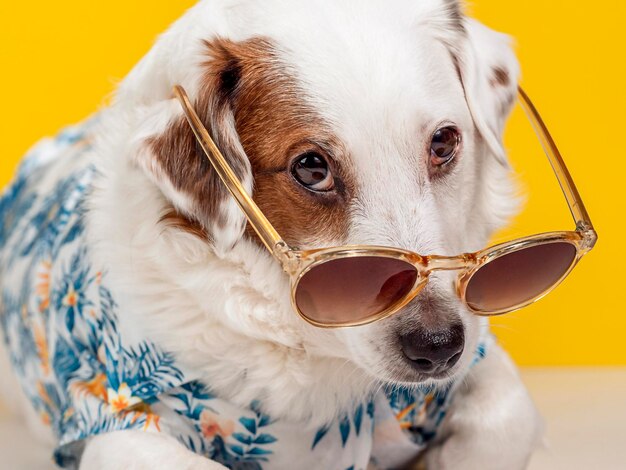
{"points": [[60, 60]]}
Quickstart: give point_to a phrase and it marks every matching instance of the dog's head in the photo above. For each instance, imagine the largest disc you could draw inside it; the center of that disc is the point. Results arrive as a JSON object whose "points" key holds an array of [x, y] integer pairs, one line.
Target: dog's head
{"points": [[351, 123]]}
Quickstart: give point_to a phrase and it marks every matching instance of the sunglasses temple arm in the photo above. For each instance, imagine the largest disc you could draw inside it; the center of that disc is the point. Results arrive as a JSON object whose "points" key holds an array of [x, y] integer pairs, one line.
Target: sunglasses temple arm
{"points": [[264, 229], [576, 205]]}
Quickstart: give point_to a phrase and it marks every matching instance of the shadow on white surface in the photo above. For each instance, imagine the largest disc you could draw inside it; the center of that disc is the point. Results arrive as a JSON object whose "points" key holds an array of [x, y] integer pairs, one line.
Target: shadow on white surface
{"points": [[17, 448], [585, 414]]}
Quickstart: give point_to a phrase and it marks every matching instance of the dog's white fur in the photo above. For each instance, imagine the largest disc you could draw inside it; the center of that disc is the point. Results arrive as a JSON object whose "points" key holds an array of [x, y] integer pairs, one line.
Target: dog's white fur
{"points": [[388, 75]]}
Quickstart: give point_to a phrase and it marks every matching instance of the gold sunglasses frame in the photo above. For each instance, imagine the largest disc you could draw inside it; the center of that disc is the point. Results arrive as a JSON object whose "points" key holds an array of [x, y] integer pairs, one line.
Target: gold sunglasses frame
{"points": [[296, 263]]}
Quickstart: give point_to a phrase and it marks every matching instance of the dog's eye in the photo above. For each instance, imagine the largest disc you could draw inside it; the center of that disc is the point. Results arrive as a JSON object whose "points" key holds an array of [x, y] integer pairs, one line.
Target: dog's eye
{"points": [[311, 171], [444, 145]]}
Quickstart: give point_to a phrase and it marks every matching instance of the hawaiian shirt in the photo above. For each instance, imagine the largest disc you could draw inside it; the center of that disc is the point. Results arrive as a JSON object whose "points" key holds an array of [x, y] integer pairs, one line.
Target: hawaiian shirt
{"points": [[87, 373]]}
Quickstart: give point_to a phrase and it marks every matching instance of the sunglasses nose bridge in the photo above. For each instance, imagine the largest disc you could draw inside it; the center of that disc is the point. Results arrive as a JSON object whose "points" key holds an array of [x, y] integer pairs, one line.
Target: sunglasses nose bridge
{"points": [[463, 263], [447, 263]]}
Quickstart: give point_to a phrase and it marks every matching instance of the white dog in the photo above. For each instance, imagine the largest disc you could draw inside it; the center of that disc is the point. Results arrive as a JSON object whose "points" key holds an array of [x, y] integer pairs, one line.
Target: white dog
{"points": [[134, 297]]}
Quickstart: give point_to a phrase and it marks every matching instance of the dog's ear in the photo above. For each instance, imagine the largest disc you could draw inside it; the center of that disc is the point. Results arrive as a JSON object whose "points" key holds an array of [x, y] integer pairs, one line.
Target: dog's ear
{"points": [[166, 149], [489, 71]]}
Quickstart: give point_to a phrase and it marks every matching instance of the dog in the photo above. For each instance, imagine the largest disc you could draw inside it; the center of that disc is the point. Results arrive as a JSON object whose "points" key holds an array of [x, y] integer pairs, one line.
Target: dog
{"points": [[135, 298]]}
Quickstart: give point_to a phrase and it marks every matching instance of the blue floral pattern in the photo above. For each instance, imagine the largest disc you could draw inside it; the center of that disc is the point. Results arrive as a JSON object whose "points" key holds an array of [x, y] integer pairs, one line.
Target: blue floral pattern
{"points": [[86, 375]]}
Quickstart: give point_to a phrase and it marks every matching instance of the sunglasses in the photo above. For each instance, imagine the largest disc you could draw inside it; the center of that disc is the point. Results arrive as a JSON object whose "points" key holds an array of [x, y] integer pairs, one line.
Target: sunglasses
{"points": [[356, 285]]}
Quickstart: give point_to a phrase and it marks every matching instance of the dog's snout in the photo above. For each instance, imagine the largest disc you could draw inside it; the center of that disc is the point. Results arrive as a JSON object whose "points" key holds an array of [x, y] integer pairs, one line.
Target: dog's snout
{"points": [[434, 351]]}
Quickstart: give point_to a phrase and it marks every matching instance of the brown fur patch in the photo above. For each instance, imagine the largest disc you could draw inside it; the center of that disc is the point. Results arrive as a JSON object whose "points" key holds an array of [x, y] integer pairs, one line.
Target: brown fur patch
{"points": [[500, 77], [181, 160], [246, 83], [173, 219], [455, 12]]}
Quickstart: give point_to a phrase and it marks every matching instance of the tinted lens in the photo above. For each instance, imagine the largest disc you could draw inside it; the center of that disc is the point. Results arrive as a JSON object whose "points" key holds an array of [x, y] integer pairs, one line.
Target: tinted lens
{"points": [[353, 289], [519, 277]]}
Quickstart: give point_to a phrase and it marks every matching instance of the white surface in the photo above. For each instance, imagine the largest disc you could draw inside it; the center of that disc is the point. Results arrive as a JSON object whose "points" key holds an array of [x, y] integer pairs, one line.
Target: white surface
{"points": [[585, 415], [16, 449], [584, 410]]}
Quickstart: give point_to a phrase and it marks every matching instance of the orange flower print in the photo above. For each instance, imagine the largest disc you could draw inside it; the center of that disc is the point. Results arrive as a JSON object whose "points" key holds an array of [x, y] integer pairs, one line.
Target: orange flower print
{"points": [[43, 285], [403, 414], [71, 298], [42, 348], [121, 399], [143, 410], [43, 394], [68, 413], [95, 387], [152, 420], [212, 425], [45, 418], [423, 412]]}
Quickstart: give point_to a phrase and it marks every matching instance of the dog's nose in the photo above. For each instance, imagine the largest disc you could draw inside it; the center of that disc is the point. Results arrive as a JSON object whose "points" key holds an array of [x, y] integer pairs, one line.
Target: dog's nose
{"points": [[434, 351]]}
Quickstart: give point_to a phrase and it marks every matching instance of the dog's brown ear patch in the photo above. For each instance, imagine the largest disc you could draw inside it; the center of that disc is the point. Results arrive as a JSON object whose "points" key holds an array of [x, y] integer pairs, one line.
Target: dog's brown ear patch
{"points": [[258, 116], [188, 171], [200, 197]]}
